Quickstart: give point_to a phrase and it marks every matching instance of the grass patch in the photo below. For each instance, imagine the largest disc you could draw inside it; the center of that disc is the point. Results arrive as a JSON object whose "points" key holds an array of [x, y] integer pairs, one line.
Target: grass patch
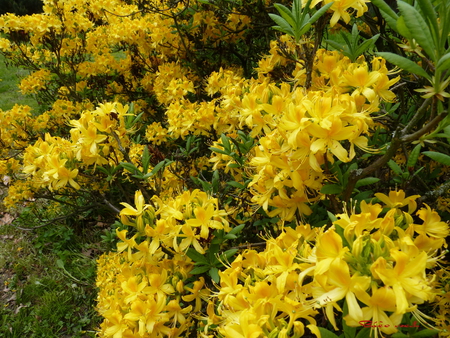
{"points": [[47, 283], [9, 92]]}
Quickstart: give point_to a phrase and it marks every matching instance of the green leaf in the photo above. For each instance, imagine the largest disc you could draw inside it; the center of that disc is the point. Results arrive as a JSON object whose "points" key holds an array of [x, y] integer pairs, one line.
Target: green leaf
{"points": [[438, 157], [159, 166], [103, 170], [366, 181], [332, 216], [199, 269], [286, 14], [403, 29], [395, 167], [430, 14], [444, 62], [145, 159], [414, 156], [236, 184], [425, 333], [336, 46], [214, 273], [365, 332], [383, 6], [366, 45], [226, 143], [219, 151], [283, 25], [196, 256], [324, 333], [405, 64], [331, 189], [237, 229], [129, 166], [418, 28], [320, 12], [229, 253]]}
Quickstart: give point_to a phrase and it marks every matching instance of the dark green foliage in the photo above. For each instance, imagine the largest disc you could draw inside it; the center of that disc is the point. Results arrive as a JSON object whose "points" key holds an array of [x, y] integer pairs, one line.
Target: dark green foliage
{"points": [[21, 7]]}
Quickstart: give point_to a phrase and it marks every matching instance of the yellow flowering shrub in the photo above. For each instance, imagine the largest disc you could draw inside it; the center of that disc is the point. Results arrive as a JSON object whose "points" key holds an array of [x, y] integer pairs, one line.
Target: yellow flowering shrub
{"points": [[242, 163]]}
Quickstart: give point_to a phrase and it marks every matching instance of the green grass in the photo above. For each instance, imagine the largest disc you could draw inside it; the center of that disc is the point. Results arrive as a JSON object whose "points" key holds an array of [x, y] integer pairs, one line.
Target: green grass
{"points": [[46, 290], [9, 92]]}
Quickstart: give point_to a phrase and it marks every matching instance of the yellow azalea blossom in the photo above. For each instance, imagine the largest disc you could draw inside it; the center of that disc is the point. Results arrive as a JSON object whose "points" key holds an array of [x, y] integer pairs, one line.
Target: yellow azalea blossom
{"points": [[374, 315], [342, 285], [117, 325], [204, 220], [148, 314], [432, 224], [327, 139], [198, 293], [397, 199], [407, 278], [133, 288], [136, 212], [328, 249], [244, 327]]}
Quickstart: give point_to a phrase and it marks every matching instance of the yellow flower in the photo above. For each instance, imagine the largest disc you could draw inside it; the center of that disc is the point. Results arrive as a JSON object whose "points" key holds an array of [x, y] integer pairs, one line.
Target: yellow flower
{"points": [[407, 278], [137, 212], [397, 199], [342, 285], [374, 315], [328, 249], [432, 225]]}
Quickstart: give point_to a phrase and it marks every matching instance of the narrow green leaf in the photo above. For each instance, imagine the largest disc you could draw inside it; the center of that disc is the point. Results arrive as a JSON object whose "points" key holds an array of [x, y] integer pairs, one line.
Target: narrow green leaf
{"points": [[332, 216], [355, 36], [320, 12], [383, 6], [103, 170], [335, 45], [438, 157], [365, 332], [430, 14], [236, 184], [444, 62], [390, 20], [303, 30], [226, 143], [403, 29], [395, 167], [286, 14], [414, 156], [129, 166], [405, 64], [229, 253], [283, 25], [366, 45], [214, 273], [196, 256], [306, 9], [425, 333], [331, 189], [199, 269], [324, 333], [158, 167], [237, 229], [366, 181], [217, 150], [145, 159], [418, 28]]}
